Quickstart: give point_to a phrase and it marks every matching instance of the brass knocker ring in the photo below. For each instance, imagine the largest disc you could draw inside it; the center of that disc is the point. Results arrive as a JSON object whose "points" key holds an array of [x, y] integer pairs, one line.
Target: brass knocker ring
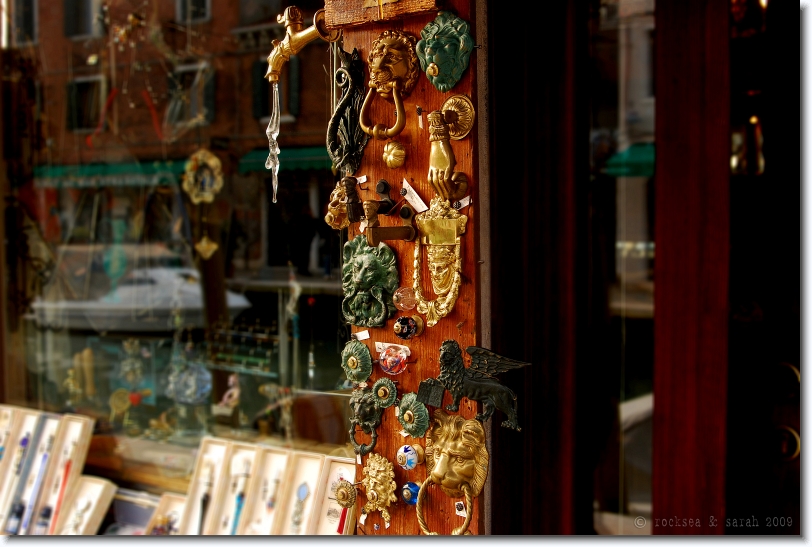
{"points": [[469, 510], [379, 131]]}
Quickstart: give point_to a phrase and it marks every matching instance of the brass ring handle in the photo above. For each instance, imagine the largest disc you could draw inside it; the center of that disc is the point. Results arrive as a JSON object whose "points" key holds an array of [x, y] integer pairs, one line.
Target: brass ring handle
{"points": [[469, 510], [380, 131], [796, 437]]}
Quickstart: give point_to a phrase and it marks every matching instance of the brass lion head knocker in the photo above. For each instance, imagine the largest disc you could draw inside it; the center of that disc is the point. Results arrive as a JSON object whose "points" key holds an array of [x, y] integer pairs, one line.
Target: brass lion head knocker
{"points": [[379, 486], [440, 229], [456, 461], [394, 70]]}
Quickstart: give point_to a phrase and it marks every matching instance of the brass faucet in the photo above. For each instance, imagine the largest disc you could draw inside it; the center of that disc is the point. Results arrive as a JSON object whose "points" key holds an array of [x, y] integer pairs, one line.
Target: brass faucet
{"points": [[296, 37]]}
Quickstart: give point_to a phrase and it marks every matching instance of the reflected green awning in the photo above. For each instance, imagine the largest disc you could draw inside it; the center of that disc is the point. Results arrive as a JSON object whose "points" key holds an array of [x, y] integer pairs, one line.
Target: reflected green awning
{"points": [[636, 161], [314, 157], [157, 173]]}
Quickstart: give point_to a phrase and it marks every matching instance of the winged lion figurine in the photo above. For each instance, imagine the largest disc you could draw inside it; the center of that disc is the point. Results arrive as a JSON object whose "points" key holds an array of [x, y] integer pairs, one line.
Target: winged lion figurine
{"points": [[476, 383]]}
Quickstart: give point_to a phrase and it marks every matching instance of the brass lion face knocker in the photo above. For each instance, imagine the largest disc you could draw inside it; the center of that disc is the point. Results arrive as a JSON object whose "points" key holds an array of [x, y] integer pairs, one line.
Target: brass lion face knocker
{"points": [[456, 461], [439, 229], [393, 70], [367, 406], [379, 486]]}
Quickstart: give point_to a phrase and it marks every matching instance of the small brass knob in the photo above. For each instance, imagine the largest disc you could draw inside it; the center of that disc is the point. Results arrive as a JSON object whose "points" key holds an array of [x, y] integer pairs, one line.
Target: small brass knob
{"points": [[408, 416], [383, 392], [352, 362], [372, 495], [432, 70]]}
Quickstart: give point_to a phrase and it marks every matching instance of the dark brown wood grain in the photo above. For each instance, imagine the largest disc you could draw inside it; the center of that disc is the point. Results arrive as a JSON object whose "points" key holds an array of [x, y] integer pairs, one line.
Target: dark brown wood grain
{"points": [[461, 323], [692, 265]]}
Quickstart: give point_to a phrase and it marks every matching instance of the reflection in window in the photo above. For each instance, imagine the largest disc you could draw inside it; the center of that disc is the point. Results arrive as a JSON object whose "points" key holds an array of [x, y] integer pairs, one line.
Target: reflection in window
{"points": [[622, 162], [82, 18], [25, 21], [85, 97], [193, 10]]}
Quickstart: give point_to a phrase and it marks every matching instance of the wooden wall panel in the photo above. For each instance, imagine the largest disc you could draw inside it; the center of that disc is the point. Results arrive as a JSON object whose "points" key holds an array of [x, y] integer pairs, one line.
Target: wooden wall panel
{"points": [[461, 323]]}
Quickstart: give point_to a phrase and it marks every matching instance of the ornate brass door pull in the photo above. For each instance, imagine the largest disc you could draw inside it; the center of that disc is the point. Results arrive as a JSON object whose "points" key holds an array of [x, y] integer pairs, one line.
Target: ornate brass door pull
{"points": [[456, 461], [379, 486], [393, 68]]}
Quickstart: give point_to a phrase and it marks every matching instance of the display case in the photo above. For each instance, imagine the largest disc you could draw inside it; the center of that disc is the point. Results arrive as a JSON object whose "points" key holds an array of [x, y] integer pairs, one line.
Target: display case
{"points": [[86, 507]]}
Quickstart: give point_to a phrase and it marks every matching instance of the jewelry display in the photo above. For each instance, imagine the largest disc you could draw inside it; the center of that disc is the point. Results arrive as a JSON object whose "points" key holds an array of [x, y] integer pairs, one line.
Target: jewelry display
{"points": [[440, 229], [302, 493], [61, 483], [80, 507], [34, 492], [205, 497], [238, 488], [270, 499]]}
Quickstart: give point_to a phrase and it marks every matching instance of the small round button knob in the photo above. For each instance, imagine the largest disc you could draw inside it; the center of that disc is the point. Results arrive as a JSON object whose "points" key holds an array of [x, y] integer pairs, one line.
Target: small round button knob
{"points": [[409, 456], [407, 327], [409, 491], [404, 299]]}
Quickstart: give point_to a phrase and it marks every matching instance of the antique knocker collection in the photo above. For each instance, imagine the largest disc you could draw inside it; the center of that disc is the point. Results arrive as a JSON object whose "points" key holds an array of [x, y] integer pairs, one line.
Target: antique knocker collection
{"points": [[376, 214]]}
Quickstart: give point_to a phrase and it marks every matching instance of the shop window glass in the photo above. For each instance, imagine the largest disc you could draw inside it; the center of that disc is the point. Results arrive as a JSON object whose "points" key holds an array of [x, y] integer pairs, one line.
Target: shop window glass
{"points": [[194, 10], [622, 174], [25, 21]]}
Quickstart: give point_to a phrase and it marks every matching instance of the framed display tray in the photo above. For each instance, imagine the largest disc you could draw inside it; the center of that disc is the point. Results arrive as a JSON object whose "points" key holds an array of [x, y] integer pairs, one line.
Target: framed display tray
{"points": [[330, 518], [13, 466], [86, 507], [263, 501], [208, 480], [296, 505], [241, 468], [170, 506]]}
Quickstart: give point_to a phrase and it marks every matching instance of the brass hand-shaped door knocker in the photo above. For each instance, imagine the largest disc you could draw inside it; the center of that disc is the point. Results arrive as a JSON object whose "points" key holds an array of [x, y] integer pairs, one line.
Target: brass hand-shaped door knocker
{"points": [[453, 121], [456, 461], [393, 69]]}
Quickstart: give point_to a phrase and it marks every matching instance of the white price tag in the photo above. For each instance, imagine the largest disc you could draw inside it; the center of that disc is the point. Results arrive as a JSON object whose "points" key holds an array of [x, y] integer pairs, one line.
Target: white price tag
{"points": [[403, 433], [414, 200], [361, 180], [362, 225], [460, 509], [362, 335], [363, 518], [464, 202], [387, 524], [358, 461]]}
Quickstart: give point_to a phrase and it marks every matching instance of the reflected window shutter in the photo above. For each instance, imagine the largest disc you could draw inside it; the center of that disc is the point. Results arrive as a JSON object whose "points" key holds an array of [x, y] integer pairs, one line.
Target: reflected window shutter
{"points": [[260, 92], [71, 11], [70, 91], [293, 86], [208, 95]]}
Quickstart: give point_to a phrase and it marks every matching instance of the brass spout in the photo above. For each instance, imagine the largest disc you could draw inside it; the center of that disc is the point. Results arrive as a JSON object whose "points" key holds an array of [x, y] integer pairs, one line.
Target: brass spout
{"points": [[296, 37]]}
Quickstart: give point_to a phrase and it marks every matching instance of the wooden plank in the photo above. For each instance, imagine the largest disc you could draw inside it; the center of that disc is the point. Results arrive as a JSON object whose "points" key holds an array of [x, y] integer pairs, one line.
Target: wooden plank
{"points": [[344, 13], [461, 324]]}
